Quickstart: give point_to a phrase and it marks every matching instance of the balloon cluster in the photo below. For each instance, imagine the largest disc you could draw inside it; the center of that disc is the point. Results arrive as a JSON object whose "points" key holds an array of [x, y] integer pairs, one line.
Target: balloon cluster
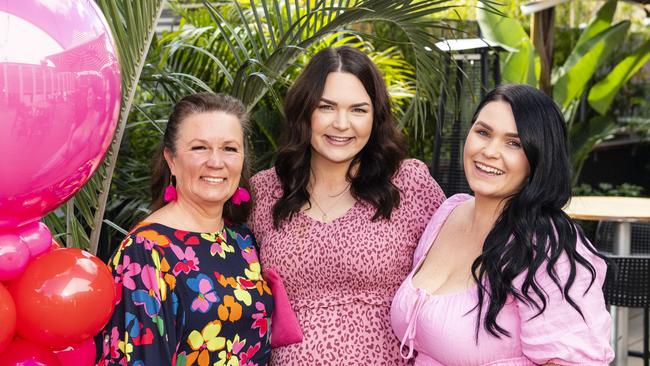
{"points": [[60, 92]]}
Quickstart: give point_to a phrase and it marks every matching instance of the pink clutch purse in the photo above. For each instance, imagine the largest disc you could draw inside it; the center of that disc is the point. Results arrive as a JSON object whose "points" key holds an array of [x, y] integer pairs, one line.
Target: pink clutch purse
{"points": [[285, 329]]}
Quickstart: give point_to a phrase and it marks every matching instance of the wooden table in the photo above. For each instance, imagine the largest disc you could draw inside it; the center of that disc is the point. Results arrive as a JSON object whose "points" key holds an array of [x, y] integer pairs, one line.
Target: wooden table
{"points": [[622, 211]]}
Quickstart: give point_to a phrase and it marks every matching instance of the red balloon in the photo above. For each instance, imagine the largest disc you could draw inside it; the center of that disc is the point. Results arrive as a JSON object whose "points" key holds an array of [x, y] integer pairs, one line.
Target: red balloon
{"points": [[7, 318], [82, 354], [63, 298], [23, 353]]}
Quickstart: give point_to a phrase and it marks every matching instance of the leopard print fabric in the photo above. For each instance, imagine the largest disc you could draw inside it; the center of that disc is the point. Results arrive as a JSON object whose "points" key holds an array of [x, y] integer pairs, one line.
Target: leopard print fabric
{"points": [[341, 276]]}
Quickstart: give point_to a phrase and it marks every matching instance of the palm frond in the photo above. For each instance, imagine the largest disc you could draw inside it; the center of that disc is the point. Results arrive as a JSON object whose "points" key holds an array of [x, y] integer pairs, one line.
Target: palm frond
{"points": [[133, 23], [253, 49], [326, 18]]}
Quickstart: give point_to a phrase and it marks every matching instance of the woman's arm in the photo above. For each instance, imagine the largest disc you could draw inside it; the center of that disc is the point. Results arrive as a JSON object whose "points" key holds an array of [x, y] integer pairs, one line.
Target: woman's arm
{"points": [[561, 335]]}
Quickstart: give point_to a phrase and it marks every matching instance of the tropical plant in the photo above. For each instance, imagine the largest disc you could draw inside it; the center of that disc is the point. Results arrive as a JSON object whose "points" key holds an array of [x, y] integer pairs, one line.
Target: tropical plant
{"points": [[153, 102], [246, 48], [573, 82], [253, 50], [133, 25], [607, 189]]}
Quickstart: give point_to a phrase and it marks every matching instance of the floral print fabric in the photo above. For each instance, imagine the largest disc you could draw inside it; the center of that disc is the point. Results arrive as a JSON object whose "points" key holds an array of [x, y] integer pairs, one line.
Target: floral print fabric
{"points": [[187, 298]]}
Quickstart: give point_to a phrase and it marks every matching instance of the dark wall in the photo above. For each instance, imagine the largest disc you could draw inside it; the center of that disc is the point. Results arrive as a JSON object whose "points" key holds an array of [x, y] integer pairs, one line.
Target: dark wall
{"points": [[622, 164]]}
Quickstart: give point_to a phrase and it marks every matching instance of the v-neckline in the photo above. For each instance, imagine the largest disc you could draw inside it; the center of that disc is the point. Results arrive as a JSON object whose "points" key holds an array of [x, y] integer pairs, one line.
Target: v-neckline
{"points": [[311, 218], [462, 198]]}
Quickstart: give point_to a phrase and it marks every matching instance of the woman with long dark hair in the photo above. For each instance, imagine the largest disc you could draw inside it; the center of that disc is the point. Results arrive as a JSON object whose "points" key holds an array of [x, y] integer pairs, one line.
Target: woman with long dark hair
{"points": [[341, 212], [188, 276], [506, 277]]}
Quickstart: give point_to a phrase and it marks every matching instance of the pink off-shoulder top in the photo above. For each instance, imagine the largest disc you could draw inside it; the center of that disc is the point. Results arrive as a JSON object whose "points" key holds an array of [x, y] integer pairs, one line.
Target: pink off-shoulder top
{"points": [[441, 328]]}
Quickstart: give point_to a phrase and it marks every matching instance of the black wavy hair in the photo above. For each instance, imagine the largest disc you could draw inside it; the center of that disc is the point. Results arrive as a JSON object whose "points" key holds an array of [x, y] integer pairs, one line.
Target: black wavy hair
{"points": [[532, 231], [377, 162]]}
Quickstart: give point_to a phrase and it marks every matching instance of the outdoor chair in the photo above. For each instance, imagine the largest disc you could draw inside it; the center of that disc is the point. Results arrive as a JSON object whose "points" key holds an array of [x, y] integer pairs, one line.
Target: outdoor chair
{"points": [[640, 242], [628, 285]]}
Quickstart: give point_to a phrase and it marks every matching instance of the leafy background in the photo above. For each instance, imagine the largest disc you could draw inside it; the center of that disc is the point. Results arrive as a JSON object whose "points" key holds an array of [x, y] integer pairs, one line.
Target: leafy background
{"points": [[254, 50]]}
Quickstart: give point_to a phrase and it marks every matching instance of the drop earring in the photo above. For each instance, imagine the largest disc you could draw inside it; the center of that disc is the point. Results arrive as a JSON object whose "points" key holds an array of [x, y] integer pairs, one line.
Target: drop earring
{"points": [[241, 195], [170, 191]]}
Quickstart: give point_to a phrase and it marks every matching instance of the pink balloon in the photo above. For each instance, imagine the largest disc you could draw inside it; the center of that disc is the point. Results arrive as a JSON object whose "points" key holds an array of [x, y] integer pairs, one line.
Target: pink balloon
{"points": [[37, 236], [60, 94], [23, 353], [82, 354], [14, 256]]}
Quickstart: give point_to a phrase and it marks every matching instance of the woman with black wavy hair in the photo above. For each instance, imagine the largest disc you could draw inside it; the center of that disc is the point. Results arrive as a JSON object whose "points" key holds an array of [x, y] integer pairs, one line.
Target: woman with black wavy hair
{"points": [[341, 213], [506, 277]]}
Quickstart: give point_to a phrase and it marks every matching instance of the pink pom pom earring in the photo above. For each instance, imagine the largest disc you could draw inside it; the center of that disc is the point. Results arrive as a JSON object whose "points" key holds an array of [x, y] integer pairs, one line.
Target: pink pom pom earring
{"points": [[170, 192], [241, 195]]}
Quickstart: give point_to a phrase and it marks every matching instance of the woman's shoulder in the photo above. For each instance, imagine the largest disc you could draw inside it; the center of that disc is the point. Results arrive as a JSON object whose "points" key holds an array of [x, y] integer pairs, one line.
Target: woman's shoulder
{"points": [[411, 173], [138, 245], [452, 202], [154, 233], [265, 176], [265, 181], [410, 166], [565, 264], [416, 183], [435, 223], [445, 209]]}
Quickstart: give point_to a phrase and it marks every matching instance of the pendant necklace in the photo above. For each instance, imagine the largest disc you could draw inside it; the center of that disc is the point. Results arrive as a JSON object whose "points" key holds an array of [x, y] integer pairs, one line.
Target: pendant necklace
{"points": [[320, 208]]}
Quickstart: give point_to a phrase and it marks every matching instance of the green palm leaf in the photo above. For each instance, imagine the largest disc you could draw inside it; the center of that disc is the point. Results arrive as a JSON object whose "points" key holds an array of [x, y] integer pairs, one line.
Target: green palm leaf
{"points": [[602, 94], [253, 49], [254, 44]]}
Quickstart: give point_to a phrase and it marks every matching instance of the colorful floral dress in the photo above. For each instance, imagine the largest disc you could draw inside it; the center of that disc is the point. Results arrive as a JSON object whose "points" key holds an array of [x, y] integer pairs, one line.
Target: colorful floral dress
{"points": [[188, 298]]}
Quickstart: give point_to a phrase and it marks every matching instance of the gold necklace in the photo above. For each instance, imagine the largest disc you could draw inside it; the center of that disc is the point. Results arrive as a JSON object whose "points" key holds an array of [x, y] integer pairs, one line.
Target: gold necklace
{"points": [[324, 212]]}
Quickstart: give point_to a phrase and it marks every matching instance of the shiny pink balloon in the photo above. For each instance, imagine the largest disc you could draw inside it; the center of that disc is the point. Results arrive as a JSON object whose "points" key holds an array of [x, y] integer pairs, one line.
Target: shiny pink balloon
{"points": [[37, 236], [60, 96], [24, 353], [14, 255], [82, 354]]}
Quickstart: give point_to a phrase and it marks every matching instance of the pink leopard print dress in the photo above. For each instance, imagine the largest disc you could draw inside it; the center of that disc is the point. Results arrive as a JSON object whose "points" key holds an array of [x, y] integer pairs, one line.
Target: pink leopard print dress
{"points": [[341, 276]]}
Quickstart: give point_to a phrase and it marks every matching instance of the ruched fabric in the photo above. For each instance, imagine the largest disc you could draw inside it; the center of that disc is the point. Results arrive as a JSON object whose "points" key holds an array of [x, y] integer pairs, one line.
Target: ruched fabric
{"points": [[440, 329]]}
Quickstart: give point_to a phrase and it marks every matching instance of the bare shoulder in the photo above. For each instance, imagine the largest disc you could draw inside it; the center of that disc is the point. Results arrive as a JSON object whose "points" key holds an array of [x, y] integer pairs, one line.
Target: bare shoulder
{"points": [[161, 216], [461, 214]]}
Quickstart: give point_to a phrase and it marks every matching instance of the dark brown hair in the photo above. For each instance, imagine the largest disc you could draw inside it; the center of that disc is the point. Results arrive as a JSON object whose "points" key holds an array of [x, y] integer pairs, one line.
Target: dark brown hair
{"points": [[377, 162], [190, 105]]}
